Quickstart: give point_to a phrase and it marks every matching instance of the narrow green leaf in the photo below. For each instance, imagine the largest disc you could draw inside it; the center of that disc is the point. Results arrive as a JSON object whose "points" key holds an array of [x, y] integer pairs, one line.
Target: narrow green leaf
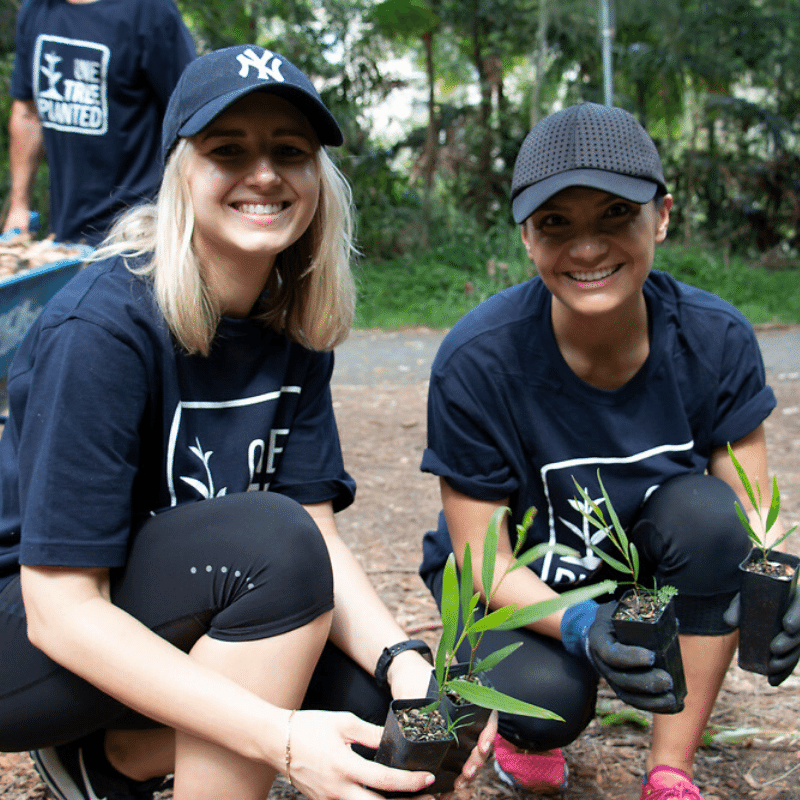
{"points": [[623, 539], [783, 538], [634, 561], [536, 611], [743, 477], [610, 560], [449, 614], [493, 659], [492, 619], [774, 505], [523, 528], [594, 516], [473, 604], [490, 549], [528, 518], [540, 551], [487, 697], [745, 520], [466, 590]]}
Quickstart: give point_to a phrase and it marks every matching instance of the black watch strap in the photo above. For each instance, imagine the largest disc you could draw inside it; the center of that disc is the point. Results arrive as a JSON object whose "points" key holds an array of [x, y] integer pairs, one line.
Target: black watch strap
{"points": [[388, 654]]}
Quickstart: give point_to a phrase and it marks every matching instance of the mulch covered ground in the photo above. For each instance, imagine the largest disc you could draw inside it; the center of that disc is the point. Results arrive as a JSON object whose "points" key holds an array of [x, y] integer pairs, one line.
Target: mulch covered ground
{"points": [[753, 747]]}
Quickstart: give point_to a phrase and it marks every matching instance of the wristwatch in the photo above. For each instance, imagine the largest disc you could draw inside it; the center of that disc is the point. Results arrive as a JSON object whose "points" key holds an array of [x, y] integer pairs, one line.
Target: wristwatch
{"points": [[389, 653]]}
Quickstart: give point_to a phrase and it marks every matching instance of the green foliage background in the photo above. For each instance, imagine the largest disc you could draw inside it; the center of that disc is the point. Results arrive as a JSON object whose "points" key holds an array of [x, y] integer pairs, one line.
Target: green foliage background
{"points": [[717, 85]]}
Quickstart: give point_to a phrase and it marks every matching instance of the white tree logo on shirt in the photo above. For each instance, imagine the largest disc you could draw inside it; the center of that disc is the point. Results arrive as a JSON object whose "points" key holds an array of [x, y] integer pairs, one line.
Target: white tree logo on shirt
{"points": [[53, 76], [206, 491], [591, 561]]}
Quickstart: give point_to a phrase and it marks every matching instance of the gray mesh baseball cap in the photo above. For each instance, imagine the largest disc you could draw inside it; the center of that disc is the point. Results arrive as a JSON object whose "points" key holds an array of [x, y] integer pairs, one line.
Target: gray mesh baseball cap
{"points": [[600, 147], [216, 80]]}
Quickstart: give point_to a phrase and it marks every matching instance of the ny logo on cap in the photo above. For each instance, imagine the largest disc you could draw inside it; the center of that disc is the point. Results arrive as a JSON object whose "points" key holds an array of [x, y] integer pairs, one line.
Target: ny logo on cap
{"points": [[249, 59]]}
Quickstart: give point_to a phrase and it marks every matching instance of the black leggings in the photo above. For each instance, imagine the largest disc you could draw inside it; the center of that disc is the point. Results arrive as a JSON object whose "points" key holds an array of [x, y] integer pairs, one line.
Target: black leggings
{"points": [[237, 568], [689, 536]]}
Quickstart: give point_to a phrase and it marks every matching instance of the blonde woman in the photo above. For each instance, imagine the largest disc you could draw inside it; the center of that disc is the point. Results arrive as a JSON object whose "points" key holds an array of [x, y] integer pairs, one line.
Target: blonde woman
{"points": [[172, 583]]}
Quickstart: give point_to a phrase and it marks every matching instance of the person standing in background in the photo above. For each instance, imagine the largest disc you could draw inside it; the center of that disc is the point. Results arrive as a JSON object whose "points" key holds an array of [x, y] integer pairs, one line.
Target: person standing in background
{"points": [[90, 85]]}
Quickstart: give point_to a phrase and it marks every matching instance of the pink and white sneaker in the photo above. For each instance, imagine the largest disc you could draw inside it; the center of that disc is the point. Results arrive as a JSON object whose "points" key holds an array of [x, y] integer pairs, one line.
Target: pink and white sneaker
{"points": [[668, 783], [545, 773]]}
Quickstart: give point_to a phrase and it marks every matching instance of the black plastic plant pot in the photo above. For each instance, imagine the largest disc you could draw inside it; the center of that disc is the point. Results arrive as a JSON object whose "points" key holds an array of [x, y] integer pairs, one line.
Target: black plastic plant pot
{"points": [[763, 602], [659, 634], [396, 750], [469, 719]]}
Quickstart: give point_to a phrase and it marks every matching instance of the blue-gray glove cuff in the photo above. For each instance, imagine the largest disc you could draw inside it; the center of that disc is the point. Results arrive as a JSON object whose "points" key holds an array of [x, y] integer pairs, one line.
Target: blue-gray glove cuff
{"points": [[575, 626]]}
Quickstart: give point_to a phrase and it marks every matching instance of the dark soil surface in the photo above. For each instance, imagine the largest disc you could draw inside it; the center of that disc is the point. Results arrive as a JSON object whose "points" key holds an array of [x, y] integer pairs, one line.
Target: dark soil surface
{"points": [[753, 748]]}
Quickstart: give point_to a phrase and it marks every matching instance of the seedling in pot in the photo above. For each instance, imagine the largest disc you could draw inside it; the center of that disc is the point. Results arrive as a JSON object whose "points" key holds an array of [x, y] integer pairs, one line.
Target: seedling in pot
{"points": [[649, 601], [768, 580], [460, 600], [760, 541], [644, 617], [467, 684]]}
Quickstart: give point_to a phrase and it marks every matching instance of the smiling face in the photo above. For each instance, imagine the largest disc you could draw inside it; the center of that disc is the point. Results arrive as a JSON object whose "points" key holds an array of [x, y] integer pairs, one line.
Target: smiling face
{"points": [[254, 181], [594, 250]]}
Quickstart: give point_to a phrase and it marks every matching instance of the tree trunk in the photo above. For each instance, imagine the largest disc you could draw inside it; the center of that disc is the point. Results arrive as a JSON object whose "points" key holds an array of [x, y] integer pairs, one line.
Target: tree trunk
{"points": [[430, 155], [538, 64], [484, 166]]}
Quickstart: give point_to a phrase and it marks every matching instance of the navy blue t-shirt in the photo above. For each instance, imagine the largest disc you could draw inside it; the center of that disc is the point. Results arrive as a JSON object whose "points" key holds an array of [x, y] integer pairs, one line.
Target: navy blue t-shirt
{"points": [[507, 417], [101, 74], [110, 422]]}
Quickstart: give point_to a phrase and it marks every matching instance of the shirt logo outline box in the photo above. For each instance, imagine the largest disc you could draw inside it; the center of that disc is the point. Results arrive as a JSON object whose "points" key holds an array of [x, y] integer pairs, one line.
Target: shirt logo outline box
{"points": [[59, 103]]}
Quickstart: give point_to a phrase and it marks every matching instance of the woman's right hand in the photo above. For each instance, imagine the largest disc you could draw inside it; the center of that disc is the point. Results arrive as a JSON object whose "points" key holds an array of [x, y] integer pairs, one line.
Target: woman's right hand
{"points": [[324, 767]]}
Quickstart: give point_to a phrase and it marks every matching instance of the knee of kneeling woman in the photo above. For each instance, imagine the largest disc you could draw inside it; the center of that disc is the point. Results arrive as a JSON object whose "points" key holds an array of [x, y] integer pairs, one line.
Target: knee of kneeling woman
{"points": [[285, 536], [286, 576], [571, 695], [540, 735]]}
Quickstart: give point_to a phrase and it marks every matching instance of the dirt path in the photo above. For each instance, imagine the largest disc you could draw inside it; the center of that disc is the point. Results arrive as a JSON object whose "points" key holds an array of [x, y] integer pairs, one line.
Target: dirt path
{"points": [[383, 434]]}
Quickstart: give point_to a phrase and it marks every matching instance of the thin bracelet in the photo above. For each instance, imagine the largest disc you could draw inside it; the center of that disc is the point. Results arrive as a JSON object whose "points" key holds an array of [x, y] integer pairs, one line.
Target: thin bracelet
{"points": [[288, 753]]}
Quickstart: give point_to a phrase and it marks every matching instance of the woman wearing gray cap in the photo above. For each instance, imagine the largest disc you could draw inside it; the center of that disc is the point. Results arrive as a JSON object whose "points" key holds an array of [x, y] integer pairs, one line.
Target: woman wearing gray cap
{"points": [[172, 583], [600, 363]]}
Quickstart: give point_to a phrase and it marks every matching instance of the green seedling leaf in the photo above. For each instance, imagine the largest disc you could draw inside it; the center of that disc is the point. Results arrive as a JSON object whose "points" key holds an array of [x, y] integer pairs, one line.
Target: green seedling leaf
{"points": [[528, 518], [493, 619], [450, 597], [493, 659], [486, 697], [620, 531], [537, 611], [785, 536], [745, 520], [596, 517], [744, 479], [634, 553], [625, 716], [610, 560], [467, 590], [470, 610], [490, 548], [523, 528], [774, 505], [540, 551]]}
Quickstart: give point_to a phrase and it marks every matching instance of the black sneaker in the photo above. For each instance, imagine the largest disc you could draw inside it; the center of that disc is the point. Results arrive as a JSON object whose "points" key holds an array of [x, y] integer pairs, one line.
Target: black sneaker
{"points": [[80, 771]]}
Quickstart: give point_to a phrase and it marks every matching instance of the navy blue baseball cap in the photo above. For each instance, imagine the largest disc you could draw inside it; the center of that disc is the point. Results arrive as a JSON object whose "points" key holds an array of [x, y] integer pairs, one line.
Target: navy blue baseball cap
{"points": [[216, 80], [596, 146]]}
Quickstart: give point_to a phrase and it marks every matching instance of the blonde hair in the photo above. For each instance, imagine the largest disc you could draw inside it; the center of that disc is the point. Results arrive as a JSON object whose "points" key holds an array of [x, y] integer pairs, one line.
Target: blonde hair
{"points": [[310, 292]]}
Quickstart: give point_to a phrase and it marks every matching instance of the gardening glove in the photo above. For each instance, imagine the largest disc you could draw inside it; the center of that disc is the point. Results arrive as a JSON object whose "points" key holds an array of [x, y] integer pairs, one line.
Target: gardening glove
{"points": [[587, 630], [785, 646]]}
